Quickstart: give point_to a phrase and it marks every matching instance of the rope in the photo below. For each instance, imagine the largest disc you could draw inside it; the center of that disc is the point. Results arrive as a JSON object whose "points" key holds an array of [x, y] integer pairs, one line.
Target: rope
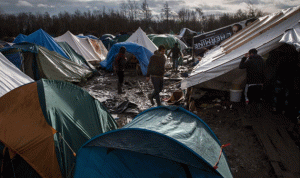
{"points": [[67, 144], [223, 146]]}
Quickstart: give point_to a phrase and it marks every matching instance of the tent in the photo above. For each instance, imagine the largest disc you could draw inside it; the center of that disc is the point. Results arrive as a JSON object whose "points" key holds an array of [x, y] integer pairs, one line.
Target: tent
{"points": [[218, 69], [107, 35], [39, 62], [186, 35], [10, 76], [46, 122], [96, 47], [292, 36], [84, 49], [75, 57], [159, 142], [140, 52], [41, 38], [88, 36], [167, 40], [121, 38], [140, 37], [20, 38]]}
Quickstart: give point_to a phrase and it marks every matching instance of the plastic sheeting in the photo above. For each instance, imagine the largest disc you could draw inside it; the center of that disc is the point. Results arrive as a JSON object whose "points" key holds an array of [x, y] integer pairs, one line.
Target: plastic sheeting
{"points": [[292, 37], [10, 76], [20, 38], [54, 66], [159, 142], [41, 38], [264, 35], [75, 114], [140, 37], [140, 52], [84, 50]]}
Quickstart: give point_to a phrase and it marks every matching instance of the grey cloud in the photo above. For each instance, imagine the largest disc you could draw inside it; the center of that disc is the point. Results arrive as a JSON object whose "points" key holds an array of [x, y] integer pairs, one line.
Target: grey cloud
{"points": [[254, 2]]}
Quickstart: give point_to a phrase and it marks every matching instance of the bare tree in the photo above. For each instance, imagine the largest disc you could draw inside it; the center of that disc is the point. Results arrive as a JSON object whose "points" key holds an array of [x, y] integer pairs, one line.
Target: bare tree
{"points": [[146, 10], [166, 12]]}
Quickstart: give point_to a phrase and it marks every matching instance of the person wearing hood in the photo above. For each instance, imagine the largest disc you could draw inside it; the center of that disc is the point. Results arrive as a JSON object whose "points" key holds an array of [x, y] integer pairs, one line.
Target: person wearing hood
{"points": [[119, 67]]}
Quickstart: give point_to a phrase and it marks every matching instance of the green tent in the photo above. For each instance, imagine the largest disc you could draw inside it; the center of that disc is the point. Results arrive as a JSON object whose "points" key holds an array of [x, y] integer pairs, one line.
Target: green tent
{"points": [[162, 39]]}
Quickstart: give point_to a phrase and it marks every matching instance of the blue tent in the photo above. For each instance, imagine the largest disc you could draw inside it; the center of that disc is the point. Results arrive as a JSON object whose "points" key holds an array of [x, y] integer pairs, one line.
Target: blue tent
{"points": [[159, 142], [19, 38], [41, 38], [140, 52], [88, 36]]}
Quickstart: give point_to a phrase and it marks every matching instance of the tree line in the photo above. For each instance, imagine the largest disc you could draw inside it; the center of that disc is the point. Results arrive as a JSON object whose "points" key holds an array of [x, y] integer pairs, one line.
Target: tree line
{"points": [[128, 18]]}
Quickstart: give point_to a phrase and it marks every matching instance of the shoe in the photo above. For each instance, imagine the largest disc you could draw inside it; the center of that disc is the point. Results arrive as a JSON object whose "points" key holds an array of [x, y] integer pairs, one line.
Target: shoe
{"points": [[151, 99]]}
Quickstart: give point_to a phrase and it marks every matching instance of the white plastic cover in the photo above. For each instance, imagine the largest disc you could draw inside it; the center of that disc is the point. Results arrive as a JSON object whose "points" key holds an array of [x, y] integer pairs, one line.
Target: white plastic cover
{"points": [[10, 76], [140, 37], [264, 35], [292, 36], [84, 49]]}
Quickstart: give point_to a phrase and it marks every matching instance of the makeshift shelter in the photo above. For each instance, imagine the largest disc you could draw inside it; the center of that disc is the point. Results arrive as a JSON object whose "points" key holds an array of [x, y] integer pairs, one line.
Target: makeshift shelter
{"points": [[140, 37], [38, 62], [41, 38], [82, 47], [218, 69], [20, 38], [10, 76], [159, 142], [96, 47], [108, 42], [186, 35], [106, 36], [141, 53], [121, 38], [88, 36], [292, 36], [46, 122], [167, 40]]}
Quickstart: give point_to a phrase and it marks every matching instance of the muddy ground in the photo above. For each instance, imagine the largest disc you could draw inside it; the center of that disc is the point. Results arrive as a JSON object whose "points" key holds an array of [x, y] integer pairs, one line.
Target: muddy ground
{"points": [[245, 154]]}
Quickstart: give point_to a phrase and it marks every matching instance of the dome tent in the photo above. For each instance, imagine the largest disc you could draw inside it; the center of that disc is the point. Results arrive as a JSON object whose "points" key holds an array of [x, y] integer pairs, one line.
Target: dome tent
{"points": [[159, 142], [47, 132]]}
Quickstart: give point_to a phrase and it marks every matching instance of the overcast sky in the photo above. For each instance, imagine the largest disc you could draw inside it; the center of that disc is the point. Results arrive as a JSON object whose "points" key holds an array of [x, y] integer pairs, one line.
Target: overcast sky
{"points": [[53, 7]]}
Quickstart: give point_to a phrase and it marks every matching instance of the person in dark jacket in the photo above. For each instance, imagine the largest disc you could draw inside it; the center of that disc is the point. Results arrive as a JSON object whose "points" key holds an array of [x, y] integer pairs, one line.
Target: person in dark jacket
{"points": [[254, 65], [119, 67], [156, 70], [176, 53]]}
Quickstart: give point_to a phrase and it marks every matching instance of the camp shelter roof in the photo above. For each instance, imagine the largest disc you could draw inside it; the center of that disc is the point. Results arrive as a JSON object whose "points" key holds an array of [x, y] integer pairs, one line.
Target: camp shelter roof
{"points": [[10, 76], [75, 57], [41, 38], [157, 143], [185, 32], [88, 36], [96, 47], [140, 52], [221, 63], [55, 106], [167, 40], [292, 36], [140, 37], [107, 35], [83, 49], [20, 38], [121, 38]]}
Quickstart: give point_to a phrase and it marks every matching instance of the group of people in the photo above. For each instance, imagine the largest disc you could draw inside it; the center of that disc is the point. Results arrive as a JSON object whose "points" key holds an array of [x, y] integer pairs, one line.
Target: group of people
{"points": [[156, 69], [276, 80]]}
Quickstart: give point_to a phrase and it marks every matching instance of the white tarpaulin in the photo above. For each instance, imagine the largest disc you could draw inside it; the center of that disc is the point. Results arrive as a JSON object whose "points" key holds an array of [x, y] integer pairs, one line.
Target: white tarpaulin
{"points": [[140, 37], [292, 36], [81, 47], [264, 34], [10, 76]]}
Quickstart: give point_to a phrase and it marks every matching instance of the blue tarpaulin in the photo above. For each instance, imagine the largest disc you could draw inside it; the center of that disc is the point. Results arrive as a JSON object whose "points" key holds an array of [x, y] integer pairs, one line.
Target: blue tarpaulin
{"points": [[140, 52], [41, 38], [20, 38]]}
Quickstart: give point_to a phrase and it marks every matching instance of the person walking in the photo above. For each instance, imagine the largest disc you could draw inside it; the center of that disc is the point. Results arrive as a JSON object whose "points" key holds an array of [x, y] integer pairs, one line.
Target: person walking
{"points": [[254, 65], [119, 67], [176, 53], [156, 70]]}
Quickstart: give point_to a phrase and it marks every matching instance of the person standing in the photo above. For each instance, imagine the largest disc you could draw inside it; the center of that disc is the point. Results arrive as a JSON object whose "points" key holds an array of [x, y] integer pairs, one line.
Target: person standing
{"points": [[156, 70], [176, 53], [119, 67], [254, 65]]}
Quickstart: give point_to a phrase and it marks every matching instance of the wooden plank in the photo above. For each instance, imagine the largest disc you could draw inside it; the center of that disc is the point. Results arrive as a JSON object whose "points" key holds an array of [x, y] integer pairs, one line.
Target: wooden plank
{"points": [[277, 169], [269, 148], [285, 155]]}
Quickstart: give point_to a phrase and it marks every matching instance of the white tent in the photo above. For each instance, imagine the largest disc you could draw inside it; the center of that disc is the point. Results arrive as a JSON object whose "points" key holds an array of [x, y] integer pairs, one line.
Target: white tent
{"points": [[218, 69], [96, 48], [10, 76], [140, 37], [81, 46], [292, 36]]}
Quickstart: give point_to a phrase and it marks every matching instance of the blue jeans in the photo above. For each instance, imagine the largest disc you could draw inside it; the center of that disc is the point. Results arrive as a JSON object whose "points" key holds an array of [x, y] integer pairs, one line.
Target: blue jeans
{"points": [[158, 84]]}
